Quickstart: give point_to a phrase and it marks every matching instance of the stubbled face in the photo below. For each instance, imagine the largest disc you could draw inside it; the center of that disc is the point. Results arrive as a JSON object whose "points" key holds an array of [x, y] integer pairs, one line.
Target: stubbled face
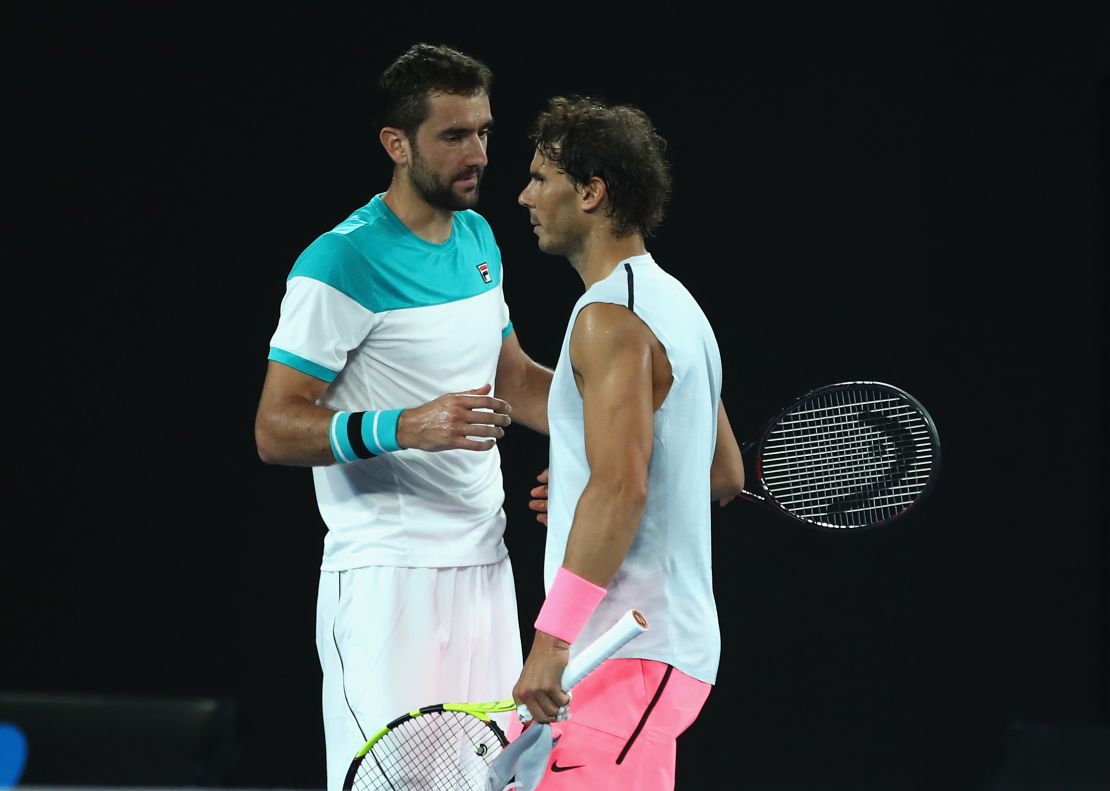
{"points": [[552, 203], [449, 152]]}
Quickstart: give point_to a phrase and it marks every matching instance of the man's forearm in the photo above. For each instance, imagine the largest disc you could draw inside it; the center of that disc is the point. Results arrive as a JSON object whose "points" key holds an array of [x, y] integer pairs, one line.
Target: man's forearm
{"points": [[527, 394], [605, 523]]}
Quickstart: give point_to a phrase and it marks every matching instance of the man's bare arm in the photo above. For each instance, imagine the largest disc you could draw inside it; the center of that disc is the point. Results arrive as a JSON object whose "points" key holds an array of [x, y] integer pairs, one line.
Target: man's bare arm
{"points": [[726, 476], [291, 427], [611, 351], [612, 355], [524, 383]]}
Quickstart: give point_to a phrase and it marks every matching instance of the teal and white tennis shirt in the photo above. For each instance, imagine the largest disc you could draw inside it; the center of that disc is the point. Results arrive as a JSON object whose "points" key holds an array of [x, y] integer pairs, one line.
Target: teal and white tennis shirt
{"points": [[392, 321]]}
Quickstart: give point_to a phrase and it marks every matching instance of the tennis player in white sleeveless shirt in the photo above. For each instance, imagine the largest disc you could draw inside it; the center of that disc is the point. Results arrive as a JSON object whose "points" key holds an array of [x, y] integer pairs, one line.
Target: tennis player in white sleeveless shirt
{"points": [[626, 716], [667, 573]]}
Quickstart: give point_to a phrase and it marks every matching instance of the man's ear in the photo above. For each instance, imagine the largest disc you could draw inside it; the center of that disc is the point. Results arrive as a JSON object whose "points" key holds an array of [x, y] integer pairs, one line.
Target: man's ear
{"points": [[395, 144], [594, 193]]}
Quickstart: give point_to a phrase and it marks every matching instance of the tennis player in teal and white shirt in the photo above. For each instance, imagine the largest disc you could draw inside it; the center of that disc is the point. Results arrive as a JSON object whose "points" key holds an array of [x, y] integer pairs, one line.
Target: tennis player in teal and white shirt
{"points": [[392, 372], [389, 320]]}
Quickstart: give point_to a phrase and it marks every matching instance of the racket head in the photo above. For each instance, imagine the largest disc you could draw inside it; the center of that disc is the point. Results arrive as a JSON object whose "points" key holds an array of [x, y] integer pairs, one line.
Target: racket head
{"points": [[848, 456], [448, 745]]}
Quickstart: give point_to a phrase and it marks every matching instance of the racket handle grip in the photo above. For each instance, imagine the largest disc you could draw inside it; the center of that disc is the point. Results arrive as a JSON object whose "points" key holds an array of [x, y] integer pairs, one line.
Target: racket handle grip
{"points": [[629, 625]]}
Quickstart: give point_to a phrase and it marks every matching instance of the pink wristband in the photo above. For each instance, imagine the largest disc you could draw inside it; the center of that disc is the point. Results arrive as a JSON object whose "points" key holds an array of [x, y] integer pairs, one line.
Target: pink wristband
{"points": [[569, 604]]}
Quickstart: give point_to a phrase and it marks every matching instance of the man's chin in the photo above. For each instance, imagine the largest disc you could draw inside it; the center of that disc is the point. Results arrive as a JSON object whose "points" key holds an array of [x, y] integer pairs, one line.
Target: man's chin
{"points": [[467, 199]]}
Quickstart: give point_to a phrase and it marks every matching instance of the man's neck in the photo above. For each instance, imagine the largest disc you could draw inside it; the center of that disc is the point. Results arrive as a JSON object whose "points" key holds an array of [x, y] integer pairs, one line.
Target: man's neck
{"points": [[430, 223], [601, 255]]}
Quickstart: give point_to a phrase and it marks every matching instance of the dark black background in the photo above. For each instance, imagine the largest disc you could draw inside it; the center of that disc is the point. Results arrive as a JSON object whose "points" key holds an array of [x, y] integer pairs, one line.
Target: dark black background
{"points": [[916, 195]]}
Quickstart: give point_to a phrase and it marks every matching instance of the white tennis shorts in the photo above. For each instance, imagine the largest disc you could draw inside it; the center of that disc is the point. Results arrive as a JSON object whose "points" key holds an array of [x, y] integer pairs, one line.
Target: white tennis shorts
{"points": [[394, 639]]}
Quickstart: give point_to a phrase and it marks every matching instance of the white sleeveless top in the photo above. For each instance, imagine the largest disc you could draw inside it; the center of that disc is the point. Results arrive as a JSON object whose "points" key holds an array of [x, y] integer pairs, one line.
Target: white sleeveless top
{"points": [[667, 573]]}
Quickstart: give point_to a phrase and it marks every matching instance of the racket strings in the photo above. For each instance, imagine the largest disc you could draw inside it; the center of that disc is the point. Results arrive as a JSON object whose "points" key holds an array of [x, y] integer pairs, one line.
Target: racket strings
{"points": [[437, 751], [848, 458]]}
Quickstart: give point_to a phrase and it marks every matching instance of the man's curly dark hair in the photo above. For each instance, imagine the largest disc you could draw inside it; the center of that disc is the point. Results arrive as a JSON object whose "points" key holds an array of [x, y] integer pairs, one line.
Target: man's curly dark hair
{"points": [[586, 137]]}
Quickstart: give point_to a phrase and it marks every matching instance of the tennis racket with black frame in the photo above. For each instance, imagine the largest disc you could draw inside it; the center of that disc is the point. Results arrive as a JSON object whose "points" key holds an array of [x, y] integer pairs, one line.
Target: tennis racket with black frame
{"points": [[845, 456], [451, 745]]}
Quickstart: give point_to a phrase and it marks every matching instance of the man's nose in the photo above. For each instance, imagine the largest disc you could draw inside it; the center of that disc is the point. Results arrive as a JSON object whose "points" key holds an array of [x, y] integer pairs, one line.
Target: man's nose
{"points": [[476, 151]]}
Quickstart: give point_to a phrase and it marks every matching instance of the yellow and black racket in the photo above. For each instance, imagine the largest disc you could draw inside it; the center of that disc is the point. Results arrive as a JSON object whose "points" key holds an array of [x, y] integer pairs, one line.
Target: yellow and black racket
{"points": [[450, 746]]}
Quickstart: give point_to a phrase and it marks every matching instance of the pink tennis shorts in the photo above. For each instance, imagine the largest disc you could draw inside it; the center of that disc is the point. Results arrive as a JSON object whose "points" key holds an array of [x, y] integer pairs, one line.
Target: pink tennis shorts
{"points": [[624, 720]]}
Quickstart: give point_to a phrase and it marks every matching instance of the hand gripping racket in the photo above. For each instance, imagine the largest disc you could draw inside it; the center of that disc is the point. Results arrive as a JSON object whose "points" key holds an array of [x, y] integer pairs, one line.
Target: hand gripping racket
{"points": [[451, 745], [846, 456]]}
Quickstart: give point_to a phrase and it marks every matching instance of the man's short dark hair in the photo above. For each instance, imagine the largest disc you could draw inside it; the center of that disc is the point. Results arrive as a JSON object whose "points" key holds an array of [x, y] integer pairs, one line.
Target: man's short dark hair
{"points": [[586, 137], [424, 69]]}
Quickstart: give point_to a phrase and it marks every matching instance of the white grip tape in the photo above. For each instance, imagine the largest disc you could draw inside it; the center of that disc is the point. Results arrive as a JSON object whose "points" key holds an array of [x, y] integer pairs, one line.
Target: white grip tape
{"points": [[629, 625]]}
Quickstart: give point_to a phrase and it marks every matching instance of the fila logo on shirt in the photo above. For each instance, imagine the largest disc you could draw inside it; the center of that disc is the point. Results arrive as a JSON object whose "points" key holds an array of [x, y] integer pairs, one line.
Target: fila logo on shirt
{"points": [[483, 270]]}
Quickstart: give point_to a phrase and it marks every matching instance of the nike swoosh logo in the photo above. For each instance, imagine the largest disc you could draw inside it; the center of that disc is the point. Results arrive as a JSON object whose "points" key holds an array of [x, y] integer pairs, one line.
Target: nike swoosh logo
{"points": [[556, 768]]}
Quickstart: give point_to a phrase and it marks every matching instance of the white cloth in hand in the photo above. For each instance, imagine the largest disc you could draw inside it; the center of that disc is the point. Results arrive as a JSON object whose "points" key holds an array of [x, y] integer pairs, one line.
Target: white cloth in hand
{"points": [[525, 759]]}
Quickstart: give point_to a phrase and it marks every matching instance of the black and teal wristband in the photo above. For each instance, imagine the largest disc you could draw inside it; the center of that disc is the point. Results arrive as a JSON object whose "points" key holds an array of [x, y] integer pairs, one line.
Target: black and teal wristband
{"points": [[363, 435]]}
